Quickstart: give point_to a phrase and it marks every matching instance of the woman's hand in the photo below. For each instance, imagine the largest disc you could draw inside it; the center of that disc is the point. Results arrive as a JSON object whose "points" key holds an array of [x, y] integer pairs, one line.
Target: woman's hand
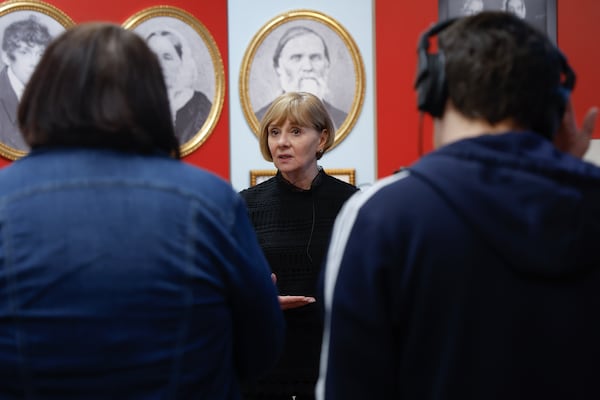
{"points": [[288, 302]]}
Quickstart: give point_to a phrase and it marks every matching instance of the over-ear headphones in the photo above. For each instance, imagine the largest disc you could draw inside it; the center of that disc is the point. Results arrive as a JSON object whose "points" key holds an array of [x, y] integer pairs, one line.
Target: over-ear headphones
{"points": [[431, 85], [431, 73], [566, 86]]}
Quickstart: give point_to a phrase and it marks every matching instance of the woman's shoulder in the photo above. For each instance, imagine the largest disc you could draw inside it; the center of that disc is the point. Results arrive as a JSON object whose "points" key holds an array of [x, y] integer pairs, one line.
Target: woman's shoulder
{"points": [[260, 190], [339, 185]]}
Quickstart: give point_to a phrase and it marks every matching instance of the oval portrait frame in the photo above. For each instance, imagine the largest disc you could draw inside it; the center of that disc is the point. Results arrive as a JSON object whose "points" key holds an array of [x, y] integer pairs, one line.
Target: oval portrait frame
{"points": [[179, 19], [62, 20], [346, 51]]}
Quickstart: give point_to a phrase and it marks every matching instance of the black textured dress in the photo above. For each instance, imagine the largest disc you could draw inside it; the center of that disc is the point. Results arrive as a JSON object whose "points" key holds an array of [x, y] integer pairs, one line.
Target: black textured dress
{"points": [[293, 227]]}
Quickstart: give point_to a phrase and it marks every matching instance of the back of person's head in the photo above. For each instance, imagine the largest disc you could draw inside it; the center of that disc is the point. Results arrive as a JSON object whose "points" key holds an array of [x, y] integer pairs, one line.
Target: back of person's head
{"points": [[498, 67], [301, 109], [292, 33], [98, 85], [27, 32]]}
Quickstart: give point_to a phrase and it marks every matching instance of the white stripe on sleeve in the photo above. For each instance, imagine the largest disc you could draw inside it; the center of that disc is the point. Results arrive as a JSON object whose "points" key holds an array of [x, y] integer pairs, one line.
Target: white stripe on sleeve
{"points": [[339, 238]]}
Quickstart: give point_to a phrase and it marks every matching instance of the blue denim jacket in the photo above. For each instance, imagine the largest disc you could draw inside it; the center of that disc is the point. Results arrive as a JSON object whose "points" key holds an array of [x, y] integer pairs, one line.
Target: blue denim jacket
{"points": [[129, 276]]}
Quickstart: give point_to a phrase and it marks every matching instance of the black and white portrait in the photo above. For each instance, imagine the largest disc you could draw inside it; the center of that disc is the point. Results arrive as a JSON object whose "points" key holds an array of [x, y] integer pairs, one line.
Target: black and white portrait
{"points": [[470, 7], [192, 69], [24, 35], [302, 52], [539, 13]]}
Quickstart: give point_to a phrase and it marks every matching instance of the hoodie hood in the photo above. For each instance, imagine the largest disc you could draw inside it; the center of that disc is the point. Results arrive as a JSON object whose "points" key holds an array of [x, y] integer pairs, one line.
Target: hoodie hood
{"points": [[534, 206]]}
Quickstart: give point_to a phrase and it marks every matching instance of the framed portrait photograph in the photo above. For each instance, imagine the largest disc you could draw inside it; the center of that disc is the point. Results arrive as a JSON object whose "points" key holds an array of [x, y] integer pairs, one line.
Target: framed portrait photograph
{"points": [[345, 174], [539, 13], [26, 29], [192, 67], [303, 50]]}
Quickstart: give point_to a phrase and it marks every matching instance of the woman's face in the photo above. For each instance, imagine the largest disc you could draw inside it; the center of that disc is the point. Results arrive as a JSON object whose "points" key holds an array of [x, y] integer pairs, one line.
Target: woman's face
{"points": [[168, 57], [294, 150]]}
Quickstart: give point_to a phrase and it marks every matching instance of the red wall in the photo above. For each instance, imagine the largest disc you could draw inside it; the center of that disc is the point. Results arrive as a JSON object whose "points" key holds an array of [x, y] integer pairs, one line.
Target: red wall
{"points": [[398, 25], [213, 154]]}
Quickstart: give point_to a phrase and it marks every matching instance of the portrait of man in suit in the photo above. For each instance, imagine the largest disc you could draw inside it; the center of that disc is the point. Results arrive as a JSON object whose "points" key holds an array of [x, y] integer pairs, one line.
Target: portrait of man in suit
{"points": [[23, 43], [192, 67], [189, 106]]}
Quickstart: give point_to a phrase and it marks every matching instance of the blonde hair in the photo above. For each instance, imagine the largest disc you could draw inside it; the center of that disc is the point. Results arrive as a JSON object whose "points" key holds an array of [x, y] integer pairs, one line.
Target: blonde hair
{"points": [[300, 108]]}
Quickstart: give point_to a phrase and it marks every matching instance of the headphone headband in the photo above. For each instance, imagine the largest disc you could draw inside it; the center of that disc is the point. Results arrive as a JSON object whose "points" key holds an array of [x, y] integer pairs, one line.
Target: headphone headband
{"points": [[434, 29]]}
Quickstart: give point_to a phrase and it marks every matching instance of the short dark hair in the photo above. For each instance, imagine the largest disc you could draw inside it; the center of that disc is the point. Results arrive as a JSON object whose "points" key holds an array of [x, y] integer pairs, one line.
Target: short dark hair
{"points": [[98, 85], [292, 33], [175, 41], [499, 67], [27, 31]]}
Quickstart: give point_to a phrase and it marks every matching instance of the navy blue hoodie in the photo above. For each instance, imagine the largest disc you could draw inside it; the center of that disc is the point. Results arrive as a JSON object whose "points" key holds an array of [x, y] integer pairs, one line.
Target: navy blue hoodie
{"points": [[474, 274]]}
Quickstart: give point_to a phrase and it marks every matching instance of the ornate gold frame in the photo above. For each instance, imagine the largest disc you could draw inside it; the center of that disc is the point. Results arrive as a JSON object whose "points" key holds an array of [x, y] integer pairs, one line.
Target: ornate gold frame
{"points": [[41, 7], [359, 84], [344, 174], [219, 71]]}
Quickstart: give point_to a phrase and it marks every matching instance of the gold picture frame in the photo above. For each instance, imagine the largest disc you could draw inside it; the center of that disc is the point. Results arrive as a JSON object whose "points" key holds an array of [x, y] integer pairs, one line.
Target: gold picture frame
{"points": [[205, 59], [23, 16], [260, 82], [345, 174]]}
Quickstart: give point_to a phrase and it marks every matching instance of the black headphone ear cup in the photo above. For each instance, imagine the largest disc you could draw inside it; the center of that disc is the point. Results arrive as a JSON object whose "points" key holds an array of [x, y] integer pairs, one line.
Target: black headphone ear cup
{"points": [[437, 95], [421, 75], [563, 98], [566, 86], [431, 85], [431, 73], [423, 82]]}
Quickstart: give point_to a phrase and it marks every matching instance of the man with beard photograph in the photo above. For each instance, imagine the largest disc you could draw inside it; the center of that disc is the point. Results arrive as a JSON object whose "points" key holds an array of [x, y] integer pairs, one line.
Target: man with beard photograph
{"points": [[302, 63]]}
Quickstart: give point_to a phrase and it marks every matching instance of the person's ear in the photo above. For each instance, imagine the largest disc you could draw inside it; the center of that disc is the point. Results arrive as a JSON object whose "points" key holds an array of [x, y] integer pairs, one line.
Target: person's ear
{"points": [[278, 70], [5, 58], [324, 137], [327, 69]]}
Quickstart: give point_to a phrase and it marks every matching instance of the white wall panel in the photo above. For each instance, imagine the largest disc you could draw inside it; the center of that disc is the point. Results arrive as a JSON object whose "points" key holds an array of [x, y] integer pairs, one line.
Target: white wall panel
{"points": [[246, 19]]}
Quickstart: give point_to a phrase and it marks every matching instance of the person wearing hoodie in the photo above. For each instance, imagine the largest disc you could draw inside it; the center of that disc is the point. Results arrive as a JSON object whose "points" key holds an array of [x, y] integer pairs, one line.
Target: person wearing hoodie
{"points": [[474, 273]]}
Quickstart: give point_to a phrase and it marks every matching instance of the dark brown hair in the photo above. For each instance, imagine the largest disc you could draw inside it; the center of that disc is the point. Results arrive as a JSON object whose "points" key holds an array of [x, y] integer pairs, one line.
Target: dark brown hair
{"points": [[98, 85], [499, 67]]}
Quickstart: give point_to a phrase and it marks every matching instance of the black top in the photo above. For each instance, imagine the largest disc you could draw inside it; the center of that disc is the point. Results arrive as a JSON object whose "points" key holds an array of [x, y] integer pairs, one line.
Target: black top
{"points": [[293, 227], [191, 117]]}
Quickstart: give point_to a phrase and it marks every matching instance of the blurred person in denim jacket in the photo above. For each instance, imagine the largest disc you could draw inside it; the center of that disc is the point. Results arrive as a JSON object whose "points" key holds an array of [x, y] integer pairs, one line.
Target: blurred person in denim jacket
{"points": [[125, 273]]}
